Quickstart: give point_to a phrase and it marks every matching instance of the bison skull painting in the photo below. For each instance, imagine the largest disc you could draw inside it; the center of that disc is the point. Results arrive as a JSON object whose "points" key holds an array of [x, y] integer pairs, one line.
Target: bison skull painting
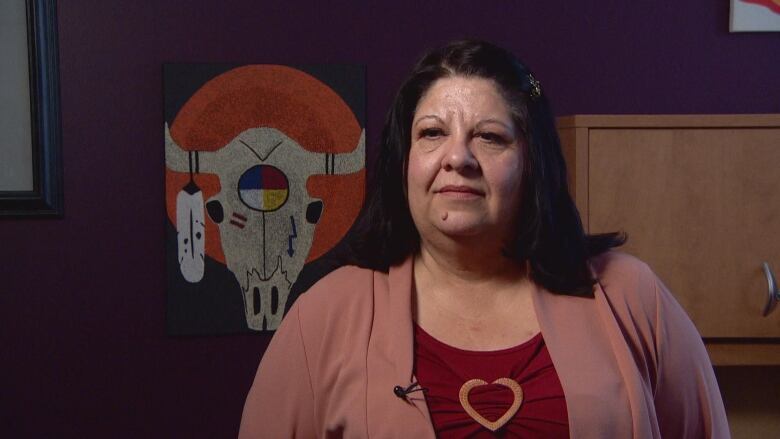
{"points": [[264, 173]]}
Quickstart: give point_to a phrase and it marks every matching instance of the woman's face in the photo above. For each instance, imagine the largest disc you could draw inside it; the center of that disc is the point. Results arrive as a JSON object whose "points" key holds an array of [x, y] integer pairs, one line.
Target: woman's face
{"points": [[465, 163]]}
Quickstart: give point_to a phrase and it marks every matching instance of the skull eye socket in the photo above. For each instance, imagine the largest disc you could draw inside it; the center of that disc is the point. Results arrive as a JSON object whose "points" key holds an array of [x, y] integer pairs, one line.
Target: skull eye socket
{"points": [[313, 212], [263, 188], [214, 208]]}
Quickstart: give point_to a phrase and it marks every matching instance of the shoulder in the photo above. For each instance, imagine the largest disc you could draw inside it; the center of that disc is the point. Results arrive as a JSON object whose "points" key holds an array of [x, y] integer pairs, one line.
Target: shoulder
{"points": [[626, 278], [666, 346], [618, 267], [339, 302], [345, 286], [646, 310], [334, 320], [630, 292]]}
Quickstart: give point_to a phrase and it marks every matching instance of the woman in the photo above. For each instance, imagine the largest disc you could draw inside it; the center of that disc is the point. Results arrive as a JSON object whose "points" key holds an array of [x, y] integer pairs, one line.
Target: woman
{"points": [[476, 306]]}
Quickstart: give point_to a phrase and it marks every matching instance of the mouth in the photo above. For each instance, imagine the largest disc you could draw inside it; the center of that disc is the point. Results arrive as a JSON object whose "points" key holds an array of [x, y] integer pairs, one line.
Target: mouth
{"points": [[460, 191]]}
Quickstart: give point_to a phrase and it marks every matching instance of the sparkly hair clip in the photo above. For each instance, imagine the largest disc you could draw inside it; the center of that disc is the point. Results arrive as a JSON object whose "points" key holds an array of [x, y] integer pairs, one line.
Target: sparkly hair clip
{"points": [[536, 87]]}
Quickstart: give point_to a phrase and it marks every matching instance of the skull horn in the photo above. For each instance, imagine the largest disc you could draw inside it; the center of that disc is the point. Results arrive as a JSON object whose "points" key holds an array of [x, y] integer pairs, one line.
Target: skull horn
{"points": [[353, 161], [179, 160]]}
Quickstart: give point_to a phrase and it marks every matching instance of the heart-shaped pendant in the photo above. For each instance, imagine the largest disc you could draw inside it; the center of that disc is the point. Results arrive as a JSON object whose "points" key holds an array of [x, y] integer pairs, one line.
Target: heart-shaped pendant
{"points": [[500, 422]]}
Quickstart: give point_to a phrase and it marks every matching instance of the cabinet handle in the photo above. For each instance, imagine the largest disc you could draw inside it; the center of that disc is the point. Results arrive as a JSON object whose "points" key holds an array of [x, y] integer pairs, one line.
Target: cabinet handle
{"points": [[774, 293]]}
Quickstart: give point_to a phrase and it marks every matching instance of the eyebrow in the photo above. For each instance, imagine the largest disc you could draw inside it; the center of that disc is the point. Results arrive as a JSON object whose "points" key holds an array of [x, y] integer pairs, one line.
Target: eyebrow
{"points": [[497, 121], [508, 127], [429, 116]]}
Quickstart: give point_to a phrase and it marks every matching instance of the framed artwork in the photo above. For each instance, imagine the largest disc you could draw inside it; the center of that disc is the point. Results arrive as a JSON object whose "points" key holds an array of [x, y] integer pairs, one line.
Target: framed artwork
{"points": [[264, 174], [30, 148], [755, 16]]}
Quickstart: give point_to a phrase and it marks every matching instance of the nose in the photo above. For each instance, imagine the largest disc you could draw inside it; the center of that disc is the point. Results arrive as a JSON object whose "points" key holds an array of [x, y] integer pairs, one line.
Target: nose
{"points": [[458, 155]]}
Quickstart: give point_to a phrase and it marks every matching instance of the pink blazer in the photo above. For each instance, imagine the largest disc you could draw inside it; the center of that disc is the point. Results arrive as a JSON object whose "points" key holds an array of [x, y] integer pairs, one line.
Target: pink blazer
{"points": [[631, 363]]}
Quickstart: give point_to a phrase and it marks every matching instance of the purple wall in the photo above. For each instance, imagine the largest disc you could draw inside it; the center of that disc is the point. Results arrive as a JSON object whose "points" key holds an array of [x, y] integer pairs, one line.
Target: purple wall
{"points": [[82, 299]]}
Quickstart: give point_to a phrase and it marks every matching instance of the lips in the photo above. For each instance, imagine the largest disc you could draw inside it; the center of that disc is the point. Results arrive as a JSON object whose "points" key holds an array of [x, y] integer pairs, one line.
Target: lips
{"points": [[459, 190]]}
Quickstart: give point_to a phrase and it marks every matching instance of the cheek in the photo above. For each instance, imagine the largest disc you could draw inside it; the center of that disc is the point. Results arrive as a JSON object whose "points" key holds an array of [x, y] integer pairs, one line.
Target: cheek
{"points": [[420, 173], [419, 176], [507, 181]]}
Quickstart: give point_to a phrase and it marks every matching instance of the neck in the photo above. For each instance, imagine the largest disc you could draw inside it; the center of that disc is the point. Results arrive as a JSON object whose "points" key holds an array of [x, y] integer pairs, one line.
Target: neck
{"points": [[468, 286], [466, 263]]}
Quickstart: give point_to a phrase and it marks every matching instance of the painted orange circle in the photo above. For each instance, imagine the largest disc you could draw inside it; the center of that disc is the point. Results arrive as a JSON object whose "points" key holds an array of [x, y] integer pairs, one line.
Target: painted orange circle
{"points": [[291, 101]]}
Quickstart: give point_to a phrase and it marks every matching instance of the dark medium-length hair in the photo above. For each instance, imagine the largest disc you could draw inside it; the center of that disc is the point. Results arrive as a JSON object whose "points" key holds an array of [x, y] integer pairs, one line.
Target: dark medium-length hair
{"points": [[550, 237]]}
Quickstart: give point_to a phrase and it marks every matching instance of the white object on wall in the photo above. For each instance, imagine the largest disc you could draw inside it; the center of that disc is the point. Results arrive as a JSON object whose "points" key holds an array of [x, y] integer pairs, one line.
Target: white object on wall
{"points": [[16, 170], [755, 16]]}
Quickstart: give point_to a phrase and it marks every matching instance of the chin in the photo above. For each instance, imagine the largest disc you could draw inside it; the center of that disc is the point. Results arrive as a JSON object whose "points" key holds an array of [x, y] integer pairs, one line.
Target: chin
{"points": [[461, 227]]}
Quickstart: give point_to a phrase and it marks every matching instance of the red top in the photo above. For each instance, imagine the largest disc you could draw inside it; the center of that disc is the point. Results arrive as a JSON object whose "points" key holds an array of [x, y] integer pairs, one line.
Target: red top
{"points": [[442, 370]]}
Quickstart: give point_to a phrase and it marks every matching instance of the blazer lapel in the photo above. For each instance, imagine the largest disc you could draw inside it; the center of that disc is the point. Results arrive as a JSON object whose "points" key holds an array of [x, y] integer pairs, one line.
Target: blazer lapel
{"points": [[579, 345], [391, 359]]}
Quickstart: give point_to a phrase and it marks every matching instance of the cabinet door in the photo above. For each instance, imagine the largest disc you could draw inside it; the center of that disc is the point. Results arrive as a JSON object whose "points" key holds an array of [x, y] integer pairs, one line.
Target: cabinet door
{"points": [[702, 207]]}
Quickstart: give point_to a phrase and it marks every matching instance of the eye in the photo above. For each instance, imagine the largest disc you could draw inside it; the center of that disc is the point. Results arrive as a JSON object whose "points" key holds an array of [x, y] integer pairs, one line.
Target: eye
{"points": [[431, 133], [490, 137]]}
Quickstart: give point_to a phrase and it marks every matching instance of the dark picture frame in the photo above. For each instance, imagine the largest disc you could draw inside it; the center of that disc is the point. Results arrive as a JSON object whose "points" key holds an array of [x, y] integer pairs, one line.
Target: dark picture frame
{"points": [[46, 197]]}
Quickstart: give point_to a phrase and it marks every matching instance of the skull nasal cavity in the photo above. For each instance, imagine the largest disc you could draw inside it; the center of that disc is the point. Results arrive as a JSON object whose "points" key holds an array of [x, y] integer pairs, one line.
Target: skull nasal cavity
{"points": [[274, 299], [256, 300]]}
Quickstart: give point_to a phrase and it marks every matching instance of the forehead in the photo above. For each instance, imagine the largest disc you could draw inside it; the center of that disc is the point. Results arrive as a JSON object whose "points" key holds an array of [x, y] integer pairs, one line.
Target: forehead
{"points": [[466, 97]]}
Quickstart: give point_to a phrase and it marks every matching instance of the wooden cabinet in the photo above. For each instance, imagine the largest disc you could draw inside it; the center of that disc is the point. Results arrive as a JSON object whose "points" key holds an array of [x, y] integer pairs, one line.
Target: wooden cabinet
{"points": [[699, 197]]}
